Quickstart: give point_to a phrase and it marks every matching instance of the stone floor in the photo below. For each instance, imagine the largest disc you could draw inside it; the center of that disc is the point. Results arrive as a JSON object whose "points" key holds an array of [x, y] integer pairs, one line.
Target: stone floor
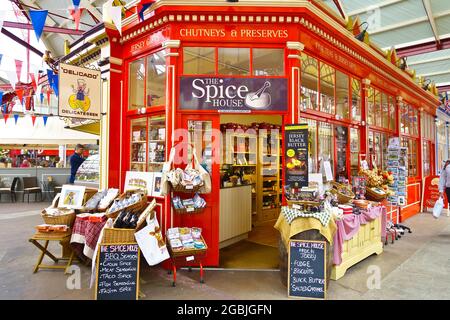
{"points": [[415, 267]]}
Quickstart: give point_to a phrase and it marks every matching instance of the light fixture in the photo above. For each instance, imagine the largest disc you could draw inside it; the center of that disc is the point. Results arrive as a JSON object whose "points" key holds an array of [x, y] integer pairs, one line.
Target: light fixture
{"points": [[362, 34]]}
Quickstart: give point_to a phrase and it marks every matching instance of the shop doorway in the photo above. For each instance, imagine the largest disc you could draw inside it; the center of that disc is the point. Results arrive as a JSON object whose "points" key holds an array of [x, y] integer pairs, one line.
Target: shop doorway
{"points": [[250, 191]]}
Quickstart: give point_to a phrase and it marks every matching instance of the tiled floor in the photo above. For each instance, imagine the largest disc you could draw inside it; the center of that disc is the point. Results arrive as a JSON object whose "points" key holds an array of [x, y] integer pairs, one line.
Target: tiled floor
{"points": [[415, 267]]}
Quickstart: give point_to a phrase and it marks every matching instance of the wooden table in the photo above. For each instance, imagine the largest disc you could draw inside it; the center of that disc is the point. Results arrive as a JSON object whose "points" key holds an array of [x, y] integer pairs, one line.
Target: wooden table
{"points": [[64, 240]]}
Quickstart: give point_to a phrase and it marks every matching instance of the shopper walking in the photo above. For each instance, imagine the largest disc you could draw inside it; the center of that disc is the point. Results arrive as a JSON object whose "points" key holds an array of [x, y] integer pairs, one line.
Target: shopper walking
{"points": [[444, 181], [75, 161]]}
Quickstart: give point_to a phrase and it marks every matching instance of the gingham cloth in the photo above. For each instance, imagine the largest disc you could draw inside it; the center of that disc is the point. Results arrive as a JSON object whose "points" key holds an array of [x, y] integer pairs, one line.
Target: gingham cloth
{"points": [[86, 233], [290, 214]]}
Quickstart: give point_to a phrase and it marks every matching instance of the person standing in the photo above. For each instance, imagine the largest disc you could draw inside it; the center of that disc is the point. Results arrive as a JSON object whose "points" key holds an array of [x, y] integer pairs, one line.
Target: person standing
{"points": [[444, 181], [75, 161]]}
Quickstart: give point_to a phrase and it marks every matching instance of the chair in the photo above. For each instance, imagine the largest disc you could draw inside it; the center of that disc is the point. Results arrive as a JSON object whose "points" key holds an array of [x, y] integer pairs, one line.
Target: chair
{"points": [[31, 185], [11, 190]]}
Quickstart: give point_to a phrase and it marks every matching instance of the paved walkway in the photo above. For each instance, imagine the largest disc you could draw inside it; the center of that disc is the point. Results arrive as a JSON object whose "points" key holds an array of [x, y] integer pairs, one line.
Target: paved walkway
{"points": [[415, 267]]}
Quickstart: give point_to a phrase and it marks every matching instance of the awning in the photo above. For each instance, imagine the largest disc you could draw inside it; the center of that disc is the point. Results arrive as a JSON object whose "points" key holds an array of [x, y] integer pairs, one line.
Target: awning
{"points": [[53, 133]]}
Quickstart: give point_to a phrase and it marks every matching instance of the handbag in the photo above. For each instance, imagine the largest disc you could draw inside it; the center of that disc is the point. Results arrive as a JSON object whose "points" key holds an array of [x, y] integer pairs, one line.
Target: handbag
{"points": [[438, 206], [151, 242]]}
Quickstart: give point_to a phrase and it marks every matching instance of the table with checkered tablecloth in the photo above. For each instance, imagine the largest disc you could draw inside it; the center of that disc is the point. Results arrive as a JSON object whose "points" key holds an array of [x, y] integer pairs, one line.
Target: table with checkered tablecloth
{"points": [[85, 235]]}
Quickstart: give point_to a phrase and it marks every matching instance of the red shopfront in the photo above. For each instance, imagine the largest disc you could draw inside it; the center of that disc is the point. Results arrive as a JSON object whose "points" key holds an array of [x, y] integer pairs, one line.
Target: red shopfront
{"points": [[318, 74]]}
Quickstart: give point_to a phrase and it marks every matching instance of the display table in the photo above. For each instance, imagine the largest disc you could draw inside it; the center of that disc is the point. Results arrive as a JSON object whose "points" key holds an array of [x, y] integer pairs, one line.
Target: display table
{"points": [[358, 237], [85, 236]]}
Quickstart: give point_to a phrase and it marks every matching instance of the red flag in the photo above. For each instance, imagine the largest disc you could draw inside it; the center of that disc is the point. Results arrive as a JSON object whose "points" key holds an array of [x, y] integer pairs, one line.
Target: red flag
{"points": [[18, 69], [33, 119], [48, 96], [5, 116], [19, 93], [76, 16], [33, 81]]}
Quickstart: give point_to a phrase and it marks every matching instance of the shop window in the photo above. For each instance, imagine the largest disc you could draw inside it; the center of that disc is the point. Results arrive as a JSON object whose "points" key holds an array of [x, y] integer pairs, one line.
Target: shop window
{"points": [[384, 111], [309, 82], [370, 106], [156, 79], [377, 108], [412, 146], [136, 84], [234, 61], [201, 137], [325, 146], [138, 152], [441, 144], [156, 143], [327, 83], [341, 134], [356, 100], [392, 114], [426, 158], [342, 94], [268, 62], [355, 143], [199, 60], [312, 144], [378, 144]]}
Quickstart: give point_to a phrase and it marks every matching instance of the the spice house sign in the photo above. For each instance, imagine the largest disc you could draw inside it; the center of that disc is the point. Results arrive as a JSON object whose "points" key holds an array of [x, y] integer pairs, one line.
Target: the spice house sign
{"points": [[233, 94]]}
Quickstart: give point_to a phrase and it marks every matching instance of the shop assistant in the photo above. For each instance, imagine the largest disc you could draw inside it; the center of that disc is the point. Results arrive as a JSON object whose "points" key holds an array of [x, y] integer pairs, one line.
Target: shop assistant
{"points": [[75, 161]]}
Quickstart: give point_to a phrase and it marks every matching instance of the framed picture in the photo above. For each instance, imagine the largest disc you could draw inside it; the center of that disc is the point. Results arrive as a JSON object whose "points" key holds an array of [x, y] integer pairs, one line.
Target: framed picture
{"points": [[71, 196], [156, 192], [139, 180]]}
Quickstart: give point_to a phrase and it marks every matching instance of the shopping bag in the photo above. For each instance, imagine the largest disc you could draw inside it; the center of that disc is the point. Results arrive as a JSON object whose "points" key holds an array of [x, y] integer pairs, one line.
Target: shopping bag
{"points": [[438, 206], [151, 242], [165, 177], [204, 174]]}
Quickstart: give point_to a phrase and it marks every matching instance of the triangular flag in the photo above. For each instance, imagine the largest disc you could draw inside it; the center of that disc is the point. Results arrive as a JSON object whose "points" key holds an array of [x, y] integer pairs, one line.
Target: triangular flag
{"points": [[38, 21], [142, 6], [33, 81], [12, 77], [5, 116], [28, 103], [76, 3], [50, 76], [18, 68], [116, 16], [45, 118], [33, 119], [76, 16], [19, 93], [49, 92], [55, 84], [16, 117], [42, 97]]}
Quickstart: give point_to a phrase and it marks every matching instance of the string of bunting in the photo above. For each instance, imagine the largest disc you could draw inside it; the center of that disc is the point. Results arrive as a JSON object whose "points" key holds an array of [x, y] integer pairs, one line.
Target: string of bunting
{"points": [[33, 118]]}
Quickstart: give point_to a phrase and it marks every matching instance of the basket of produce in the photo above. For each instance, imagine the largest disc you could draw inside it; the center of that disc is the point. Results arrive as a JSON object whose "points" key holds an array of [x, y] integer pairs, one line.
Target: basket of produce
{"points": [[343, 192], [376, 194], [129, 200]]}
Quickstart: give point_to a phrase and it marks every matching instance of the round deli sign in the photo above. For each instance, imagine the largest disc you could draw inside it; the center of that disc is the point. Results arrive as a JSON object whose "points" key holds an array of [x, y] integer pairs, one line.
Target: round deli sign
{"points": [[233, 94], [79, 92]]}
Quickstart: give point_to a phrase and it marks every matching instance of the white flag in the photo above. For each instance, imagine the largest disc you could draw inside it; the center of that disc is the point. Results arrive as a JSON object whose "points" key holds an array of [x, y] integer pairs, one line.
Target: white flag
{"points": [[12, 77], [116, 16]]}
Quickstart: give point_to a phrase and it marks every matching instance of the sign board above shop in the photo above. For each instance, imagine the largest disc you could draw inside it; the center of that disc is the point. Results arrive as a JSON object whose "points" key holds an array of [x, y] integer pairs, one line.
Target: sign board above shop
{"points": [[233, 94], [79, 92]]}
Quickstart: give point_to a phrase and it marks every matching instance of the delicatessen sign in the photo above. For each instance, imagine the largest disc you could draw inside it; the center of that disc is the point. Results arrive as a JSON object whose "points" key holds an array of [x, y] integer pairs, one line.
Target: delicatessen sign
{"points": [[79, 92], [233, 94]]}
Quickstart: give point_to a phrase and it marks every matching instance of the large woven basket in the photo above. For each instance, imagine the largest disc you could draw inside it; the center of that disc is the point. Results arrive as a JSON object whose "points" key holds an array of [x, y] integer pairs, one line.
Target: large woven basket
{"points": [[66, 219], [374, 196], [116, 235], [183, 189], [342, 198]]}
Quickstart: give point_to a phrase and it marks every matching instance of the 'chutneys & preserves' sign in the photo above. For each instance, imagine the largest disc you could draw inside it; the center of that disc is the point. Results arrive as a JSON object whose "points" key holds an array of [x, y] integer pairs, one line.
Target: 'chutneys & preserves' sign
{"points": [[79, 92], [233, 94]]}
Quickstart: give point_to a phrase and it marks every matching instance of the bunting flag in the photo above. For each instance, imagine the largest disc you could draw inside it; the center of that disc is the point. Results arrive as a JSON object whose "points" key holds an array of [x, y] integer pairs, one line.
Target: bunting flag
{"points": [[33, 81], [12, 77], [55, 84], [113, 14], [76, 16], [33, 119], [45, 118], [16, 117], [50, 76], [38, 21], [18, 69], [19, 93], [142, 6], [5, 116], [49, 92], [76, 3], [42, 97]]}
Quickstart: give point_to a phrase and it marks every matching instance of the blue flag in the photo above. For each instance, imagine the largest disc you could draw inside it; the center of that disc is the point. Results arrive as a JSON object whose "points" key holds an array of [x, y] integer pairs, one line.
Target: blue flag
{"points": [[76, 3], [16, 117], [55, 84], [1, 102], [50, 77], [38, 21], [41, 96], [45, 118]]}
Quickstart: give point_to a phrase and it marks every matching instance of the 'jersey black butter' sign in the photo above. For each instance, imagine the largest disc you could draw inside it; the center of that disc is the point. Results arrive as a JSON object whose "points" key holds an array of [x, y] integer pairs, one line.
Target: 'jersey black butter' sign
{"points": [[296, 152], [307, 269], [233, 94], [117, 272]]}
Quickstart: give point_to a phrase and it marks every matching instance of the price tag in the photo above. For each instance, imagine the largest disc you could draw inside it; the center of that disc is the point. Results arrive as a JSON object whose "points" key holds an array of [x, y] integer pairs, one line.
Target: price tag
{"points": [[189, 187], [296, 206], [190, 209], [191, 258]]}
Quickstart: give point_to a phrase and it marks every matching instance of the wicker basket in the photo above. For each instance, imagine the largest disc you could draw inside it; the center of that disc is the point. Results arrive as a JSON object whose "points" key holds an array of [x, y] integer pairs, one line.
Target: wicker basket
{"points": [[374, 196], [117, 235], [140, 205], [66, 219], [183, 189], [185, 211], [191, 252], [341, 197]]}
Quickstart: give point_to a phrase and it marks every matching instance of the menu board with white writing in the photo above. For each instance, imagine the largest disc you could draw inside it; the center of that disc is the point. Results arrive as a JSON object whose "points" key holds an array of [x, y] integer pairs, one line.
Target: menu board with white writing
{"points": [[307, 269], [117, 272]]}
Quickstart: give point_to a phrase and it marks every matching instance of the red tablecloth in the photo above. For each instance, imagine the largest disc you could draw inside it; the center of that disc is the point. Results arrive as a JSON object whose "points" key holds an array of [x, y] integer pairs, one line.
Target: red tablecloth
{"points": [[349, 226], [85, 235]]}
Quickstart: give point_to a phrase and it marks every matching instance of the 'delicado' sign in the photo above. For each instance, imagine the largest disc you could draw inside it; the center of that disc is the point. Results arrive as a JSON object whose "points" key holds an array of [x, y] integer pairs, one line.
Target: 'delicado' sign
{"points": [[233, 94], [79, 92]]}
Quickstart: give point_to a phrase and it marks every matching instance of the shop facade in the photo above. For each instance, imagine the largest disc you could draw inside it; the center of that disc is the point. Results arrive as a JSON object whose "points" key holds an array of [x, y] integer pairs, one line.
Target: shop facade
{"points": [[184, 74], [442, 134]]}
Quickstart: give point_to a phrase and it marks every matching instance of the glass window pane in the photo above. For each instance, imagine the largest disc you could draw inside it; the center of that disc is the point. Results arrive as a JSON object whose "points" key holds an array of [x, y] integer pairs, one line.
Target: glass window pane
{"points": [[268, 62], [199, 60], [312, 144], [327, 83], [384, 111], [234, 61], [356, 100], [341, 133], [138, 144], [136, 84], [426, 159], [309, 81], [377, 108], [392, 114], [201, 136], [411, 144], [325, 146], [156, 143], [156, 79], [354, 150], [342, 92], [370, 106]]}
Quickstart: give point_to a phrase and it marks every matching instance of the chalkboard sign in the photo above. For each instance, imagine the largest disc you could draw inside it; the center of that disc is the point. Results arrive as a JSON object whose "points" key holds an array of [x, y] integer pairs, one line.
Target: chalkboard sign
{"points": [[307, 269], [117, 272]]}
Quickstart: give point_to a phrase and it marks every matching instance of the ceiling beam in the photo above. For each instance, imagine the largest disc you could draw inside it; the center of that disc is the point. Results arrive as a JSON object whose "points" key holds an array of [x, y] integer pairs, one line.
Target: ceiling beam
{"points": [[429, 11], [444, 88], [27, 26], [373, 7], [21, 42], [340, 8], [438, 73], [425, 47], [89, 5], [425, 61]]}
